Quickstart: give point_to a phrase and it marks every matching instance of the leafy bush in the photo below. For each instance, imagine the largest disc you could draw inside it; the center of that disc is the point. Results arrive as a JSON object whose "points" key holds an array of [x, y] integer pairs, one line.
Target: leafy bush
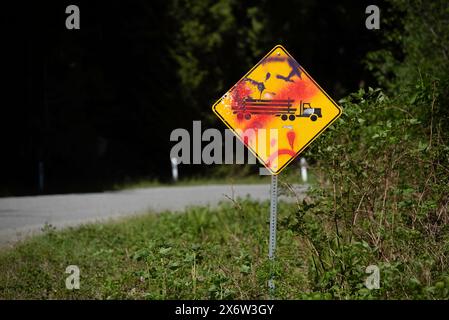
{"points": [[383, 172]]}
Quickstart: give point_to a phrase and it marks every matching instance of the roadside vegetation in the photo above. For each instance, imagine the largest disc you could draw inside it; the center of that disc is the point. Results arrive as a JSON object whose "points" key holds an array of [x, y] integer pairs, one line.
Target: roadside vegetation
{"points": [[193, 181], [292, 176], [383, 195]]}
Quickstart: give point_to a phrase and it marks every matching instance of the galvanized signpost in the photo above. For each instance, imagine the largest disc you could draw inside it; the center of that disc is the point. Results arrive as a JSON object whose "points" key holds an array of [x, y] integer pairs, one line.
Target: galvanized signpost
{"points": [[273, 221], [276, 110]]}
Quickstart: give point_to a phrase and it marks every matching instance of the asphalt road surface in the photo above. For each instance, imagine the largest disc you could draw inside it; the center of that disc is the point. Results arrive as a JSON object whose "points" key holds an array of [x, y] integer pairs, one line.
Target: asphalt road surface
{"points": [[24, 216]]}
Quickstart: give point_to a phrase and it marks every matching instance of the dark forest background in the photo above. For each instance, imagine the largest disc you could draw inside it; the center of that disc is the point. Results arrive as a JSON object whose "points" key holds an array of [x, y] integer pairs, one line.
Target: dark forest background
{"points": [[96, 106]]}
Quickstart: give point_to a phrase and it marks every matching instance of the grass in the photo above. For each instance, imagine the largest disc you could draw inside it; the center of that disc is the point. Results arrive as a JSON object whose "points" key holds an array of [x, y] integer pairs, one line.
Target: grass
{"points": [[290, 175], [134, 183], [192, 181], [202, 253]]}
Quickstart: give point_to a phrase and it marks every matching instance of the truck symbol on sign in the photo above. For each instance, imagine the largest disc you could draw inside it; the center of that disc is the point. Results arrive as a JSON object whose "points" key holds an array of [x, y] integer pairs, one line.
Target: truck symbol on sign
{"points": [[277, 107]]}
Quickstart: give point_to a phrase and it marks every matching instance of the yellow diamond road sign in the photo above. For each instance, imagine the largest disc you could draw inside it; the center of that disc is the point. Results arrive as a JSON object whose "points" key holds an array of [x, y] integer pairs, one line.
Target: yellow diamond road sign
{"points": [[277, 109]]}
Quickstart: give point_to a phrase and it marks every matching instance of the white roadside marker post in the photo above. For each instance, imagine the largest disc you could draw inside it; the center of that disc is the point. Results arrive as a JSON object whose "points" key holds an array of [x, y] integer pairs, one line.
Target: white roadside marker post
{"points": [[174, 169], [273, 220], [303, 163]]}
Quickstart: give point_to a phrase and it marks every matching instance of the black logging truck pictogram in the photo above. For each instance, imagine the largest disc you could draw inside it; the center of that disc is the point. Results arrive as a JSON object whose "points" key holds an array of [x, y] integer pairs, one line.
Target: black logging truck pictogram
{"points": [[277, 107]]}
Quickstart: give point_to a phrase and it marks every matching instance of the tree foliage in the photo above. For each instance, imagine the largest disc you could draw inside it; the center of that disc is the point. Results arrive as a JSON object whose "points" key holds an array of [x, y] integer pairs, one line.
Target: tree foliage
{"points": [[96, 106]]}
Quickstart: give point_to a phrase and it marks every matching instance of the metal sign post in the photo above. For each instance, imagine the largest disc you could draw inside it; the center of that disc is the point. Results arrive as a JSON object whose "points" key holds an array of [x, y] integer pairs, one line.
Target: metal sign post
{"points": [[273, 220]]}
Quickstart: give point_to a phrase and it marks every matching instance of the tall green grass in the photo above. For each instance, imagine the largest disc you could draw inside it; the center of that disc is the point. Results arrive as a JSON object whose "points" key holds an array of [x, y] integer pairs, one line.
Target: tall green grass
{"points": [[202, 253]]}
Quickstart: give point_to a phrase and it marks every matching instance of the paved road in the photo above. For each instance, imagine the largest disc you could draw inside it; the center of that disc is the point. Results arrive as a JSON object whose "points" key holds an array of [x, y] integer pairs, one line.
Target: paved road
{"points": [[23, 216]]}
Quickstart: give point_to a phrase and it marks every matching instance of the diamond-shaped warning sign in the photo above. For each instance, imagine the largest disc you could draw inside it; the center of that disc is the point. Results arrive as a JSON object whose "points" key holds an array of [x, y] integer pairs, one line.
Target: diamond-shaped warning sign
{"points": [[277, 109]]}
